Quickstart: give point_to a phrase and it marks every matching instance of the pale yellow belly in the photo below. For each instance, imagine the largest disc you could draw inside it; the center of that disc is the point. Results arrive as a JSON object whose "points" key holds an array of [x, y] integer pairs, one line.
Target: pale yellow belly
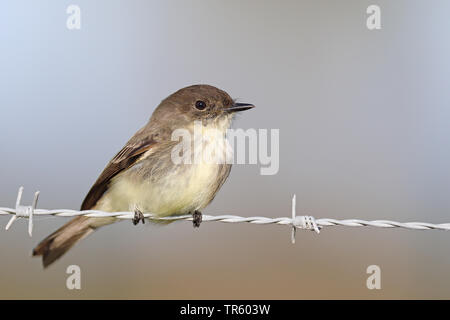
{"points": [[172, 189], [180, 191]]}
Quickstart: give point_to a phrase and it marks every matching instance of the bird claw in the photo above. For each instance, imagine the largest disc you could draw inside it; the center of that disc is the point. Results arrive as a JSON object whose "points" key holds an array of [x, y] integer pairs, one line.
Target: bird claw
{"points": [[196, 218], [138, 216]]}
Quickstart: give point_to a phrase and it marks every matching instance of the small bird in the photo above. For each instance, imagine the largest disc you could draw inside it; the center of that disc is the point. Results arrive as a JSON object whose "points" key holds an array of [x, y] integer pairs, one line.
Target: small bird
{"points": [[143, 177]]}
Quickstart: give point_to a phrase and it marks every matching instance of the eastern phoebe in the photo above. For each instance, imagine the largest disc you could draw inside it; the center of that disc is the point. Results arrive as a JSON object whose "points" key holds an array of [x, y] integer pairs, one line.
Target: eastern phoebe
{"points": [[143, 178]]}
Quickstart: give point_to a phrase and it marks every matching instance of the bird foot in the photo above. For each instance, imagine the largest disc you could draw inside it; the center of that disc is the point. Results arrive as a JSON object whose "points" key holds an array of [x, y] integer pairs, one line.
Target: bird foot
{"points": [[138, 216], [196, 218]]}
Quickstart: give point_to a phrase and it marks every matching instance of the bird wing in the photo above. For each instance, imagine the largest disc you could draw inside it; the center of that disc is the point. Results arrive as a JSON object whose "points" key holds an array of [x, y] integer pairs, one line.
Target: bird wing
{"points": [[124, 159]]}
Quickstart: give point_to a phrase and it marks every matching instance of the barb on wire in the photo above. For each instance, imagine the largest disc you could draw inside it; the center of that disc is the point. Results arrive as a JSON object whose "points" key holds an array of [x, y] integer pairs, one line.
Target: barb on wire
{"points": [[303, 222], [296, 222], [24, 211]]}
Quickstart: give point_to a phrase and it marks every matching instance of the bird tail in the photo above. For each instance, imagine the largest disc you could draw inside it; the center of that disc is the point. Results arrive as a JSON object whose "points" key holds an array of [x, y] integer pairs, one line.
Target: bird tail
{"points": [[60, 241]]}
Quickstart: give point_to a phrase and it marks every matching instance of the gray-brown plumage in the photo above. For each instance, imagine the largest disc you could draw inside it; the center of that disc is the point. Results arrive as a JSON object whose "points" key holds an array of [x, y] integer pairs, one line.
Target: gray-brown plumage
{"points": [[143, 177]]}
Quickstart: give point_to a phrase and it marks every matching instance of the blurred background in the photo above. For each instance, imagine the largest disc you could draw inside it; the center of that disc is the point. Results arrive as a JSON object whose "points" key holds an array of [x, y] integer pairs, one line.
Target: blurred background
{"points": [[364, 123]]}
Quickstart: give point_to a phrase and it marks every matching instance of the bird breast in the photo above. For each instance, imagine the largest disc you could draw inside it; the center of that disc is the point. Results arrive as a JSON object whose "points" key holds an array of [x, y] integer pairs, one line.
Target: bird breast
{"points": [[168, 188]]}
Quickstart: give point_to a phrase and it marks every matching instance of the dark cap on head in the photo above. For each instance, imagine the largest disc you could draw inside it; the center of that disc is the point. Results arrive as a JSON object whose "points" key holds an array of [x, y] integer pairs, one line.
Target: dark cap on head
{"points": [[196, 102]]}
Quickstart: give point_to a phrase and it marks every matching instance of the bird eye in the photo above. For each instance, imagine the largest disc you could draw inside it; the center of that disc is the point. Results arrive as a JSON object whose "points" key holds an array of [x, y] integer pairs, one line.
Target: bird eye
{"points": [[200, 105]]}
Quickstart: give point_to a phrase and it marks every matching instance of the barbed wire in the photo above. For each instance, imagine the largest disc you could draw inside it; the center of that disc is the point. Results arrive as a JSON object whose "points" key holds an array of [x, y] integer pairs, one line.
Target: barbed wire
{"points": [[296, 222]]}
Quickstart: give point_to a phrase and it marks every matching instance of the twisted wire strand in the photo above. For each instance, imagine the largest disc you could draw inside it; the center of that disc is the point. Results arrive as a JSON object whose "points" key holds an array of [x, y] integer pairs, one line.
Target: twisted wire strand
{"points": [[323, 222]]}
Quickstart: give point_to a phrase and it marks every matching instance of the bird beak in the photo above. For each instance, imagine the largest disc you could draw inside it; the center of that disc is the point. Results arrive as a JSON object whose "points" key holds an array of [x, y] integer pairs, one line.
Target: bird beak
{"points": [[239, 107]]}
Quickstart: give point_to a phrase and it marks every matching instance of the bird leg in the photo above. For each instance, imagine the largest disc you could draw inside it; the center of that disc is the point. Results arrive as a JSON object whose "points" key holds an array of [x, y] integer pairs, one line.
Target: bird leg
{"points": [[138, 216], [196, 218]]}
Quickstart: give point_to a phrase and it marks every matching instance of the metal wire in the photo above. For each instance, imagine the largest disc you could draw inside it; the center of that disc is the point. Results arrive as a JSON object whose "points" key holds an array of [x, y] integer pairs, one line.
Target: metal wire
{"points": [[300, 222]]}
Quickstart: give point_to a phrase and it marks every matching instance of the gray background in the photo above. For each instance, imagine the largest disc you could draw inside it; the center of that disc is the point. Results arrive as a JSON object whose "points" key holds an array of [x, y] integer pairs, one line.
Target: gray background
{"points": [[364, 133]]}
